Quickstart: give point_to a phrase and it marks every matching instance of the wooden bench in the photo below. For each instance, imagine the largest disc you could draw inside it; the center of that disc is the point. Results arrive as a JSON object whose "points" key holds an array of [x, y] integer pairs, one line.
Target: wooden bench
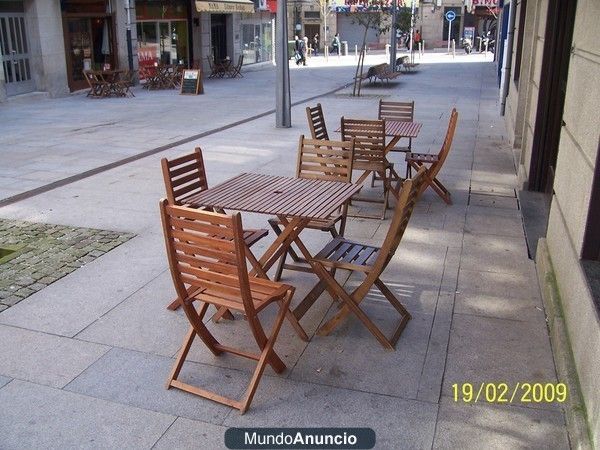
{"points": [[381, 72], [403, 63]]}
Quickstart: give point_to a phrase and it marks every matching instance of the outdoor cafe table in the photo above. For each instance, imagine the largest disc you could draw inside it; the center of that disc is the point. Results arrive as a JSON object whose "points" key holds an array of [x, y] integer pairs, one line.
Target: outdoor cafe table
{"points": [[295, 201]]}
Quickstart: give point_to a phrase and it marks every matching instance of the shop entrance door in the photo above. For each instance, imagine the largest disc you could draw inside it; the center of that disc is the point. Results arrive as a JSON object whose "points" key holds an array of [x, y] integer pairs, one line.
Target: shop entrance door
{"points": [[218, 36], [15, 54], [89, 46]]}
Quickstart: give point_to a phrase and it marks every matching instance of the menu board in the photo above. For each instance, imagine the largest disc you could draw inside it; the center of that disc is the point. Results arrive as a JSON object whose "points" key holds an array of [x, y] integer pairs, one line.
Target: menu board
{"points": [[191, 83]]}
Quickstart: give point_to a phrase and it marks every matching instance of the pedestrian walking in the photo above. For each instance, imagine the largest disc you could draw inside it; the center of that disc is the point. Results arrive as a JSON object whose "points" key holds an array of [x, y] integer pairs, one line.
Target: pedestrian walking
{"points": [[335, 44], [300, 48], [306, 46], [417, 40], [316, 44]]}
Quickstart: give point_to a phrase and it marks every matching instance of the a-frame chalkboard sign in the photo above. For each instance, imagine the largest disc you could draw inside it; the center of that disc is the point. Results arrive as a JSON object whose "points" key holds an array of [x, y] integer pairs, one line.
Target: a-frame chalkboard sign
{"points": [[191, 83]]}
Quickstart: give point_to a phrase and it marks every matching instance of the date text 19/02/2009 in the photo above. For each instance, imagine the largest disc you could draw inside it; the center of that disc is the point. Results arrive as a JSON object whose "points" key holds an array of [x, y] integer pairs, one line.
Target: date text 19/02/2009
{"points": [[507, 393]]}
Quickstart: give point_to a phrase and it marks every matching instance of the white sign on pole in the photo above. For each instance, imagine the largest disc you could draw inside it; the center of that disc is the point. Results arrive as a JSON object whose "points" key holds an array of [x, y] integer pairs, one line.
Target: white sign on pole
{"points": [[450, 16]]}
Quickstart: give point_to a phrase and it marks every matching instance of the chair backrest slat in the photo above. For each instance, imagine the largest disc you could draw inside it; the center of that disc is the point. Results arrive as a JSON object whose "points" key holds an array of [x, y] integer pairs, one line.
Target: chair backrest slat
{"points": [[409, 194], [369, 136], [199, 256], [316, 122], [184, 176], [446, 145], [399, 111], [325, 160]]}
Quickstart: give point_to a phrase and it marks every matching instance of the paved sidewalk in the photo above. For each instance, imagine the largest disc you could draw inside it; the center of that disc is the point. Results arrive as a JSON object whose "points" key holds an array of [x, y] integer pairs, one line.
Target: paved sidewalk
{"points": [[83, 361]]}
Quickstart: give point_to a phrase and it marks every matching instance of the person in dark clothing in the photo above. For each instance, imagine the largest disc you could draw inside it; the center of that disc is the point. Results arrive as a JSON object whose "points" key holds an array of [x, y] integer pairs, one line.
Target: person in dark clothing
{"points": [[300, 48], [316, 44]]}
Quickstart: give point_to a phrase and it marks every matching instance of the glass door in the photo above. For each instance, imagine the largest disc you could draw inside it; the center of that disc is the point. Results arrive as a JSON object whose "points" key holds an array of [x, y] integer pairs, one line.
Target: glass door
{"points": [[15, 54], [164, 41]]}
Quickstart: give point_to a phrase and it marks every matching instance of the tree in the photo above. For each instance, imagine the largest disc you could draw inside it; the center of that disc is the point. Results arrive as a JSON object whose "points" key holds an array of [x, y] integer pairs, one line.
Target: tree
{"points": [[373, 17]]}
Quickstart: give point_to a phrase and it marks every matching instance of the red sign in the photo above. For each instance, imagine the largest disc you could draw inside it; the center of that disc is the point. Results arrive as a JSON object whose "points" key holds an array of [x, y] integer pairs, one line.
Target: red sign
{"points": [[272, 5]]}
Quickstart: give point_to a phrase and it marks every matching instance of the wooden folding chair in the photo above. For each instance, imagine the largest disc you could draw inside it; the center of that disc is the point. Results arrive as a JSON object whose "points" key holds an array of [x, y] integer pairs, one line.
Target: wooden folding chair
{"points": [[434, 163], [185, 177], [371, 261], [236, 70], [206, 252], [369, 155], [98, 86], [400, 112], [316, 122], [320, 160]]}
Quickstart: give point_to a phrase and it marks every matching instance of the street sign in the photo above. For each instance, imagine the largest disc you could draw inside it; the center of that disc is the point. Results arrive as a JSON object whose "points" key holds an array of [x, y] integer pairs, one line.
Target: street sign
{"points": [[450, 16]]}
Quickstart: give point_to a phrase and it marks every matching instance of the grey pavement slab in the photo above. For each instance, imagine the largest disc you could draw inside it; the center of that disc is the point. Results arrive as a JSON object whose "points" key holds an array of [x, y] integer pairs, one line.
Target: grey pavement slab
{"points": [[494, 201], [143, 321], [484, 349], [138, 379], [496, 225], [72, 303], [501, 295], [43, 358], [351, 357], [493, 253], [35, 416], [475, 426], [287, 403], [191, 434], [4, 380]]}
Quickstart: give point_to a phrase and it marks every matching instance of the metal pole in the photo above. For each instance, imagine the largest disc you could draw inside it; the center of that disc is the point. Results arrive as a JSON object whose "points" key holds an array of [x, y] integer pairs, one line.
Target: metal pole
{"points": [[393, 36], [325, 41], [283, 104], [449, 31], [128, 36], [412, 30]]}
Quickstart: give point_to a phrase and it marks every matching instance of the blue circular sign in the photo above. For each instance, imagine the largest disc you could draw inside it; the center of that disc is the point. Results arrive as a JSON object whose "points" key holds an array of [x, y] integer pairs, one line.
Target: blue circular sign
{"points": [[450, 16]]}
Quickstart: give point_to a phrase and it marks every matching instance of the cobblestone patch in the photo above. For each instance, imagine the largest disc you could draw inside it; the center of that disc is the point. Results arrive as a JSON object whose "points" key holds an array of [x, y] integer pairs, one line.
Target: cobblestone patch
{"points": [[47, 253]]}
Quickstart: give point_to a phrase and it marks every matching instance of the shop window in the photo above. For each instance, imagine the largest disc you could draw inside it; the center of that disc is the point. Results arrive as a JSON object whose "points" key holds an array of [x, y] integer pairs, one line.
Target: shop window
{"points": [[257, 38], [455, 31]]}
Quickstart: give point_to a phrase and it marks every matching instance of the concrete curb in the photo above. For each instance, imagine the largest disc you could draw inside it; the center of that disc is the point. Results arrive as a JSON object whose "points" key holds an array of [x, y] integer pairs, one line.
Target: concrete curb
{"points": [[574, 407]]}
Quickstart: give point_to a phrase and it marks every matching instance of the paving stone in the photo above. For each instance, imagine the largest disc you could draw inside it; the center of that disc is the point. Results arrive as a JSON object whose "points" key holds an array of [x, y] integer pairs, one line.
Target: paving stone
{"points": [[471, 426], [189, 434], [323, 406], [494, 224], [493, 253], [138, 379], [501, 295], [4, 380], [43, 358], [68, 420], [486, 349]]}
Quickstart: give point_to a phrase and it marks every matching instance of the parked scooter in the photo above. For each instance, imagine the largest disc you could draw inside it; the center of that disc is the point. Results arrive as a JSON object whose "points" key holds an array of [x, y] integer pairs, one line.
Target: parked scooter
{"points": [[467, 45]]}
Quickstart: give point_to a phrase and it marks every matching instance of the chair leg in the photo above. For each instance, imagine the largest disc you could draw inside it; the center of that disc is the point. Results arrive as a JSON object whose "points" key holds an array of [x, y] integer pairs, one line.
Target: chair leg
{"points": [[351, 304], [266, 356], [441, 190], [386, 193], [275, 225]]}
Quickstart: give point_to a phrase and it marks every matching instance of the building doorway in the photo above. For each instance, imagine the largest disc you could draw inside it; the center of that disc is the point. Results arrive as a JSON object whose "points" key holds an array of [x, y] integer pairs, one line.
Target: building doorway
{"points": [[15, 49], [88, 29], [164, 41], [218, 36], [310, 31]]}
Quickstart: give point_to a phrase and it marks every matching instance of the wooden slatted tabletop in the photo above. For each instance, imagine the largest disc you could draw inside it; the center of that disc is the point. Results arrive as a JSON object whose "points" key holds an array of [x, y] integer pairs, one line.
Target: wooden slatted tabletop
{"points": [[399, 128], [275, 195]]}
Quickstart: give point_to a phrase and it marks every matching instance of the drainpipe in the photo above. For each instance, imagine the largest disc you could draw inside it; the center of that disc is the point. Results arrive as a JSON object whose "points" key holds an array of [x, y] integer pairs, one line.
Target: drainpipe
{"points": [[129, 44], [507, 58]]}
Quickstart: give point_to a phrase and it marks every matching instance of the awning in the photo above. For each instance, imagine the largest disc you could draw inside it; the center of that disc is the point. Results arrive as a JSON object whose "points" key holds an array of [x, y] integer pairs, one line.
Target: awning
{"points": [[225, 6]]}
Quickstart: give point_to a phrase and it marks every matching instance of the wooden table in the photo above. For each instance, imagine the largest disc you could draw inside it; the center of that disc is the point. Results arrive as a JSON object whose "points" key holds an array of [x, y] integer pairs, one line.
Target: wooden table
{"points": [[295, 201]]}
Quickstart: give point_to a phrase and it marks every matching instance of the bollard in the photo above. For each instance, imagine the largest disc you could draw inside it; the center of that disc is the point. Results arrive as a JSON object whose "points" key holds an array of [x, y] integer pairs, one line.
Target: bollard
{"points": [[356, 51], [387, 51]]}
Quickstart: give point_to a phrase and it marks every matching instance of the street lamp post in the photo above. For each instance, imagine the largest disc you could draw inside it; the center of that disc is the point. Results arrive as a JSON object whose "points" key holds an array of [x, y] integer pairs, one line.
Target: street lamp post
{"points": [[283, 105], [393, 37]]}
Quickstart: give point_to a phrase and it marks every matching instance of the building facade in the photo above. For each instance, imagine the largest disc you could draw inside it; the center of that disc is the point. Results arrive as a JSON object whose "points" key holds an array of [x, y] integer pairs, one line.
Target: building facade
{"points": [[550, 95], [45, 45]]}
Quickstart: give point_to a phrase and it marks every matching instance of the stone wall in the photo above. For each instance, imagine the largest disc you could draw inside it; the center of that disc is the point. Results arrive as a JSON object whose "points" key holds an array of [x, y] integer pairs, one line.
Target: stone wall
{"points": [[572, 190]]}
